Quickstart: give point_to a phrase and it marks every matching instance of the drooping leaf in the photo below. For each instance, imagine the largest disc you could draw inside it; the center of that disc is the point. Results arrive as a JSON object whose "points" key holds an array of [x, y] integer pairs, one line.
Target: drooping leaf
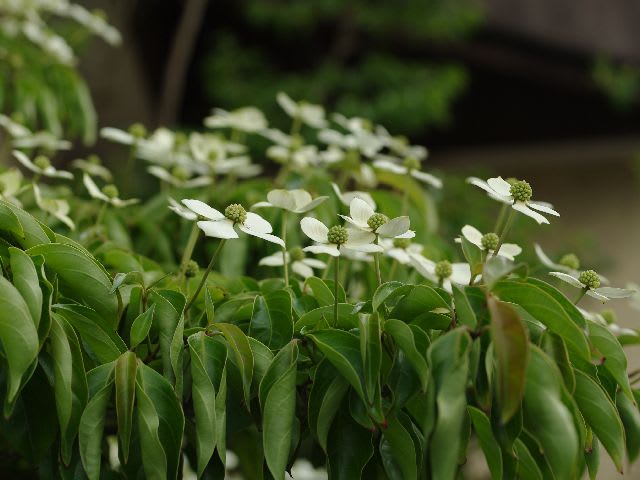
{"points": [[242, 353], [403, 336], [349, 448], [154, 458], [125, 384], [346, 317], [488, 443], [25, 279], [402, 452], [272, 321], [321, 292], [419, 300], [464, 311], [371, 353], [388, 291], [630, 417]]}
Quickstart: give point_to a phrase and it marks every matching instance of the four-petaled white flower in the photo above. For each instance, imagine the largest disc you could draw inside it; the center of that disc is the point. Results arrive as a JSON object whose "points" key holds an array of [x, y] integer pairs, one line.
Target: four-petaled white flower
{"points": [[299, 264], [410, 167], [108, 194], [590, 282], [296, 201], [308, 113], [219, 225], [347, 197], [331, 240], [364, 218], [460, 273], [401, 249], [41, 166], [518, 195], [246, 119], [488, 242], [59, 208]]}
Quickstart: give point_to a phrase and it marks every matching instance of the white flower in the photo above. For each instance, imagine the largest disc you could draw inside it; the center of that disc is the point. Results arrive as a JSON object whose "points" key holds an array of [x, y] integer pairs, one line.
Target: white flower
{"points": [[398, 251], [400, 146], [517, 195], [507, 250], [547, 262], [57, 207], [347, 197], [10, 183], [118, 136], [41, 166], [604, 294], [389, 164], [178, 177], [307, 113], [109, 194], [367, 143], [301, 265], [353, 239], [238, 166], [365, 218], [296, 201], [14, 129], [246, 119], [93, 167], [460, 272], [181, 210], [220, 225], [44, 140]]}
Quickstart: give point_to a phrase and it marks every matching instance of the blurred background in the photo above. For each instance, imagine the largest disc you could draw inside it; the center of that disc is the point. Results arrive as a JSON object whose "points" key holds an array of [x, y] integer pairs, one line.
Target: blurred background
{"points": [[546, 90]]}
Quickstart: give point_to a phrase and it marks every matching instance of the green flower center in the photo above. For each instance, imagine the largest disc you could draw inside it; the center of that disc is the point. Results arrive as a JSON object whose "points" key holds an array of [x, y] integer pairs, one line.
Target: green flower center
{"points": [[296, 254], [490, 241], [138, 130], [401, 242], [94, 159], [236, 213], [412, 163], [42, 162], [590, 279], [180, 139], [521, 191], [192, 269], [443, 269], [180, 173], [571, 261], [110, 191], [376, 220], [338, 235]]}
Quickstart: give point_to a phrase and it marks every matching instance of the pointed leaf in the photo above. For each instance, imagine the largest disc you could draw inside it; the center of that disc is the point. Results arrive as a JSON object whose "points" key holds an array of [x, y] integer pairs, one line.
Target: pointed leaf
{"points": [[141, 326], [272, 321], [125, 382]]}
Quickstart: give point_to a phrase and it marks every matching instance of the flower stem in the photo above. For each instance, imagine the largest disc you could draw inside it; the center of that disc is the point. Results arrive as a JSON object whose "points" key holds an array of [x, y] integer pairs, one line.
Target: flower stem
{"points": [[376, 261], [582, 294], [392, 270], [500, 219], [103, 208], [405, 198], [325, 274], [215, 256], [505, 231], [284, 249], [188, 249], [335, 291]]}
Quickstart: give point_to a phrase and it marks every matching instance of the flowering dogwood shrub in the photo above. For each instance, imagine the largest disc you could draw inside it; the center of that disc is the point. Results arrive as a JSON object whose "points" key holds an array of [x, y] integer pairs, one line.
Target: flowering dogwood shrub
{"points": [[301, 315]]}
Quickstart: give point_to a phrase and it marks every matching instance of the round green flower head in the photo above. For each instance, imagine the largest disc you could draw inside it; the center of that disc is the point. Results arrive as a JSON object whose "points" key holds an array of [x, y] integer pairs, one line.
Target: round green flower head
{"points": [[590, 279], [180, 173], [192, 269], [236, 213], [521, 191], [296, 254], [376, 220], [490, 241], [571, 261], [94, 159], [42, 162], [338, 235], [401, 242], [412, 163], [443, 269], [609, 316], [110, 191], [180, 139], [138, 130]]}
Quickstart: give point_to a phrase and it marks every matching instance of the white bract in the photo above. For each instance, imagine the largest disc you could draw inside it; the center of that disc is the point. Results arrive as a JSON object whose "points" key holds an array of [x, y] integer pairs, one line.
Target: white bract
{"points": [[57, 207], [179, 177], [93, 167], [181, 210], [111, 195], [347, 197], [364, 218], [401, 250], [219, 225], [390, 164], [118, 135], [307, 113], [562, 265], [603, 294], [460, 272], [473, 235], [246, 119], [42, 166], [518, 195], [13, 128], [44, 140], [302, 266], [317, 231], [296, 201]]}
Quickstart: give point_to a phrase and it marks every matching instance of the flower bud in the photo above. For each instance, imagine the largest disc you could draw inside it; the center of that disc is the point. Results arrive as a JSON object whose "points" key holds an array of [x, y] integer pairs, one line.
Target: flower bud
{"points": [[42, 162], [180, 173], [192, 269], [110, 191], [296, 254], [338, 235], [490, 241], [571, 261], [443, 269], [521, 191], [138, 130], [236, 213], [376, 220], [590, 279], [412, 163]]}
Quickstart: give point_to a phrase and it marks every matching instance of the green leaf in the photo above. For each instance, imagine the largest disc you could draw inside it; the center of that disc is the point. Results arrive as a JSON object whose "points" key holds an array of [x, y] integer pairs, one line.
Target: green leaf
{"points": [[497, 268], [327, 391], [9, 220], [568, 306], [347, 319], [342, 349], [371, 352], [488, 443], [278, 399], [25, 279], [29, 232], [19, 339], [545, 309], [272, 321], [404, 338], [630, 417], [208, 372], [388, 291], [168, 321], [601, 415], [349, 448], [104, 343], [241, 349], [419, 300], [511, 347], [592, 458], [614, 361], [141, 326], [527, 466], [70, 382], [262, 358], [125, 381], [472, 254], [81, 278], [91, 430], [154, 459], [321, 292], [464, 311], [402, 449]]}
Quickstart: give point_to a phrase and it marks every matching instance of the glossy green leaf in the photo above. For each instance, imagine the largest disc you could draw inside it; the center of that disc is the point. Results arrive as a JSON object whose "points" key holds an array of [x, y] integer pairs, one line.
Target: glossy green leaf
{"points": [[154, 458], [371, 353], [25, 279], [403, 336], [464, 312], [630, 417], [91, 429], [527, 466], [346, 317], [327, 392], [272, 321], [488, 443], [167, 321], [125, 384], [472, 254], [387, 291], [614, 359], [566, 304], [141, 326], [401, 448], [511, 348], [592, 458], [242, 353], [601, 415], [29, 232], [419, 300], [9, 220], [321, 292], [349, 448]]}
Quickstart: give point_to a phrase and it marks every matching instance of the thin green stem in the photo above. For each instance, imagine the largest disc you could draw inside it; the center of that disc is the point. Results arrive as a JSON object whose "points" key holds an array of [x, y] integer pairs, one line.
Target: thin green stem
{"points": [[103, 209], [285, 264], [206, 273], [335, 291], [188, 249], [325, 274], [582, 294], [376, 261], [405, 199], [505, 231], [500, 219], [392, 270]]}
